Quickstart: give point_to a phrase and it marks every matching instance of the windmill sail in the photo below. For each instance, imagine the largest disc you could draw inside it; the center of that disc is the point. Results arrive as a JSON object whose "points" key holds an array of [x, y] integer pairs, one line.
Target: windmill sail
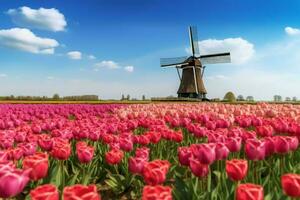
{"points": [[215, 58], [194, 40], [165, 62]]}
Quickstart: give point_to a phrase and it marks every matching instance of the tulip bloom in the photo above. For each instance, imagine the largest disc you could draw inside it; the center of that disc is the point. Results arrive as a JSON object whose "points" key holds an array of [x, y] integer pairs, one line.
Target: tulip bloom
{"points": [[234, 144], [155, 172], [249, 191], [265, 131], [236, 169], [222, 151], [44, 192], [281, 144], [290, 184], [13, 181], [205, 153], [84, 152], [255, 149], [114, 156], [198, 169], [184, 154], [38, 163], [142, 152], [81, 192], [136, 165], [45, 142], [157, 192], [61, 149]]}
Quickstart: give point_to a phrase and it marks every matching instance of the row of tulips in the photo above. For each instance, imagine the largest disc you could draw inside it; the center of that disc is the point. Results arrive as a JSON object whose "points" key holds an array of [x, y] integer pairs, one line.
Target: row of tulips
{"points": [[153, 151]]}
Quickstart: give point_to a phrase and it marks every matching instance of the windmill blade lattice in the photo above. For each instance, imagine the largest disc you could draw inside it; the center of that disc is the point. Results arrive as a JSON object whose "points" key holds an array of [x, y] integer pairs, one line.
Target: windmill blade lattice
{"points": [[165, 62]]}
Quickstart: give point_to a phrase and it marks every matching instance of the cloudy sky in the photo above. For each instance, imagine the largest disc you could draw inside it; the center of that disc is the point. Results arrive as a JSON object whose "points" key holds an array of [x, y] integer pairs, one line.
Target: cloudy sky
{"points": [[110, 47]]}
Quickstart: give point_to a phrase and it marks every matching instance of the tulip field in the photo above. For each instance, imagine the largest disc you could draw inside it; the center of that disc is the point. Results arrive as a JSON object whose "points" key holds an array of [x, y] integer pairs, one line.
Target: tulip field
{"points": [[161, 151]]}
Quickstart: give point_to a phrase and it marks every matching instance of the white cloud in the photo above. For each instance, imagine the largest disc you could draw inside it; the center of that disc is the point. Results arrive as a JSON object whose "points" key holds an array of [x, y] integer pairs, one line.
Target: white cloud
{"points": [[240, 49], [109, 64], [23, 39], [50, 77], [129, 68], [292, 31], [42, 18], [74, 55], [91, 57], [218, 77], [3, 75]]}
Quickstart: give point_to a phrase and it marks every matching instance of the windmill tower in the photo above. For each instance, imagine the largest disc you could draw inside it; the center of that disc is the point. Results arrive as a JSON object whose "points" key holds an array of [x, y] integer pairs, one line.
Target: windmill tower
{"points": [[191, 77]]}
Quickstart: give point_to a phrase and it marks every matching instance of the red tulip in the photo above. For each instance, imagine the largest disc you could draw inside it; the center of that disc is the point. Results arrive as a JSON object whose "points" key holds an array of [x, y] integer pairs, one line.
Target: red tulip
{"points": [[290, 184], [81, 192], [249, 191], [45, 142], [157, 192], [13, 181], [16, 153], [155, 137], [44, 192], [184, 154], [198, 169], [155, 172], [84, 152], [236, 169], [255, 149], [114, 156], [265, 131], [61, 149], [38, 163]]}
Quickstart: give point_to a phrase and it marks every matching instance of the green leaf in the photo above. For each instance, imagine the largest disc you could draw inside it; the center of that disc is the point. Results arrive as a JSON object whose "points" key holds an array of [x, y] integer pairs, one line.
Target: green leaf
{"points": [[56, 175]]}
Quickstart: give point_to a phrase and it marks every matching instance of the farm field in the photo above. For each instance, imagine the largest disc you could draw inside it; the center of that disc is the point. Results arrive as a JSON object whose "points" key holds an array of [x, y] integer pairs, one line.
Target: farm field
{"points": [[150, 151]]}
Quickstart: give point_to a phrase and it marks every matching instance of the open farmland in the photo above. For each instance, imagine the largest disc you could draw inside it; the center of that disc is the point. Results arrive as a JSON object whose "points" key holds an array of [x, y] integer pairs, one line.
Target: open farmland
{"points": [[171, 151]]}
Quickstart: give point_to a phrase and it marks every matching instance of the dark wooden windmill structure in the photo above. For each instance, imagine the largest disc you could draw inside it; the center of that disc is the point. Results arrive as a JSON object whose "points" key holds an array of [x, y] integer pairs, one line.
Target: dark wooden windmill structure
{"points": [[191, 78]]}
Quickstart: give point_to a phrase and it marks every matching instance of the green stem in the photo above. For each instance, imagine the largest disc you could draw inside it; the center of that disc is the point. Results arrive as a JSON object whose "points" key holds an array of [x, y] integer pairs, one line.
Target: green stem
{"points": [[62, 174]]}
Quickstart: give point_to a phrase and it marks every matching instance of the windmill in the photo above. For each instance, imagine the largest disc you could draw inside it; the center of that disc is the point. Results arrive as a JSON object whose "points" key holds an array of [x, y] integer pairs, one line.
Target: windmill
{"points": [[191, 78]]}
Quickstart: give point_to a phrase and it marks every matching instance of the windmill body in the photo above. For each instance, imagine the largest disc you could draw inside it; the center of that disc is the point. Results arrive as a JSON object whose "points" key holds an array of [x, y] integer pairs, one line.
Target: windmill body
{"points": [[191, 77]]}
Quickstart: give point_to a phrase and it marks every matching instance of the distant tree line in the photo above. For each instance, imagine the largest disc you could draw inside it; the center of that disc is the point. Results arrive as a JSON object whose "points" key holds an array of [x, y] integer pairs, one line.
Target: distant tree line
{"points": [[278, 98], [55, 97], [81, 98], [127, 98]]}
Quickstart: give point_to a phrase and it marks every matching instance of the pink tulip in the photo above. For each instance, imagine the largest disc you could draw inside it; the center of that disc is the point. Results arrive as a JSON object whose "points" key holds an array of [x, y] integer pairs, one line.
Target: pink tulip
{"points": [[234, 144], [184, 154], [293, 143], [255, 149], [222, 151], [13, 181], [198, 169], [281, 144], [136, 165], [205, 153]]}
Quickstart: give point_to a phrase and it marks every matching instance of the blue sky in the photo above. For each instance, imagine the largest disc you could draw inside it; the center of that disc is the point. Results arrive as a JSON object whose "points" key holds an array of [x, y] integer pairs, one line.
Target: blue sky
{"points": [[113, 47]]}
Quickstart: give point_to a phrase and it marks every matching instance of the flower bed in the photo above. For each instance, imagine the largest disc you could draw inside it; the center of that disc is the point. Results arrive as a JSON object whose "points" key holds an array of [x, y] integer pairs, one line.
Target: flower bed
{"points": [[150, 151]]}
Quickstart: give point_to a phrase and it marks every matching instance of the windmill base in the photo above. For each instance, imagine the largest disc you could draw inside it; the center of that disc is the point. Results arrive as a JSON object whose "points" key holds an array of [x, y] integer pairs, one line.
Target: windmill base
{"points": [[193, 95]]}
